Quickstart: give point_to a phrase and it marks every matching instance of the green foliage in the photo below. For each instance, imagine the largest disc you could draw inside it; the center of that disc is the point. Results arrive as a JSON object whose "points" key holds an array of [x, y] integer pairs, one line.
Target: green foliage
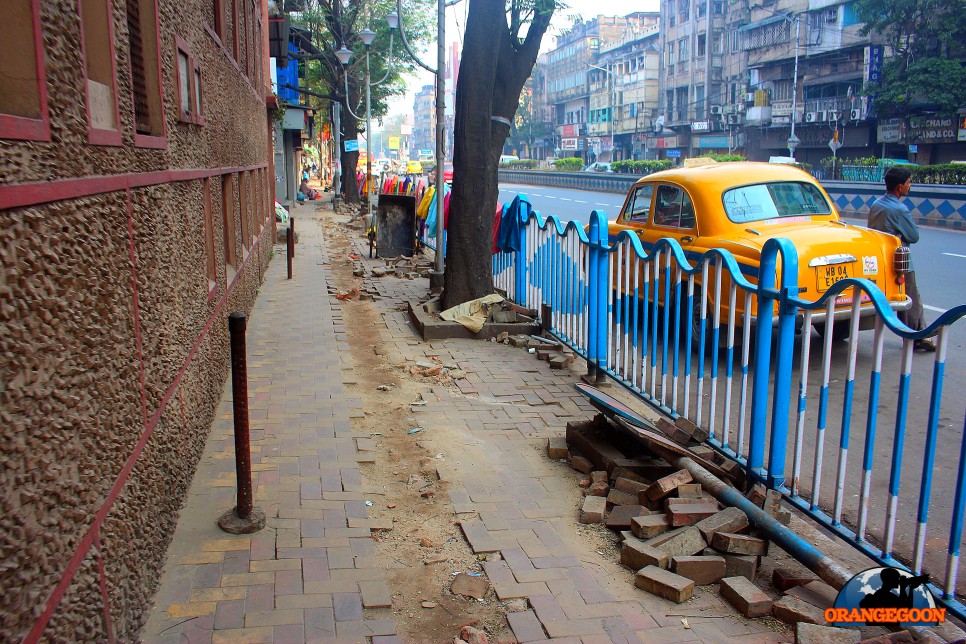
{"points": [[950, 174], [641, 167], [569, 164], [522, 164], [933, 83], [726, 158]]}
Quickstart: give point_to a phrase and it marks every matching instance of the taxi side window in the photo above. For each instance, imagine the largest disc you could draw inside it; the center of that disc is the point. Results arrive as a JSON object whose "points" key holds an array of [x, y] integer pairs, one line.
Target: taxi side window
{"points": [[673, 208], [639, 207]]}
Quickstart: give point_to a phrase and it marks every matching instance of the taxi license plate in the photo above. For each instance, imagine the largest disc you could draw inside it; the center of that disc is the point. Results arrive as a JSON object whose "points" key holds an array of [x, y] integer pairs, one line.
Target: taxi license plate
{"points": [[827, 276]]}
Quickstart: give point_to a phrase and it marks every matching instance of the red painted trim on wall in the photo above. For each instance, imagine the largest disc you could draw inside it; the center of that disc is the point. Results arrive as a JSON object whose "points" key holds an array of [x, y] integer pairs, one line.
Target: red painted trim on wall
{"points": [[102, 577], [135, 300], [23, 195], [88, 539], [23, 128]]}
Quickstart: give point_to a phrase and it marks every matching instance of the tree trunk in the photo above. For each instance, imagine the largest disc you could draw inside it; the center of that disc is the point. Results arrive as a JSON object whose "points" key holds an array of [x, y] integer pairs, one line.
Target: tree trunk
{"points": [[493, 69], [349, 160]]}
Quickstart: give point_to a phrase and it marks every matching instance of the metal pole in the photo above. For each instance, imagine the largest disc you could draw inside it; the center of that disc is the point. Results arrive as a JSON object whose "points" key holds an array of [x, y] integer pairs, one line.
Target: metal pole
{"points": [[291, 226], [337, 123], [368, 138], [791, 138], [437, 279], [243, 518], [289, 247]]}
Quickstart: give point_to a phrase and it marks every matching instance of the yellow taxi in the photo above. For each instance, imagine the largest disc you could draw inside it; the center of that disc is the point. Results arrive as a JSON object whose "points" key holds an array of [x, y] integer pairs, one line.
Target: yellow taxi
{"points": [[414, 167], [739, 206]]}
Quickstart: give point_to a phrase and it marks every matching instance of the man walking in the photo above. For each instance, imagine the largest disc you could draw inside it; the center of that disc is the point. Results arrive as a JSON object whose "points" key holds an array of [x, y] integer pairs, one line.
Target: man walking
{"points": [[890, 215]]}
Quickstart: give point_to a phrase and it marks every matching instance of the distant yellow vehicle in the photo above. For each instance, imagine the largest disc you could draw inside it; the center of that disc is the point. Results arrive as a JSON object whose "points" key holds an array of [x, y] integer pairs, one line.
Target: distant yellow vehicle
{"points": [[414, 167], [740, 206]]}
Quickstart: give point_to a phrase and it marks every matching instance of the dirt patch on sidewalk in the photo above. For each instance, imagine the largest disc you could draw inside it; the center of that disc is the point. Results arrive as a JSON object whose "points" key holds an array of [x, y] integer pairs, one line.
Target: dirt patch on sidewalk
{"points": [[418, 539]]}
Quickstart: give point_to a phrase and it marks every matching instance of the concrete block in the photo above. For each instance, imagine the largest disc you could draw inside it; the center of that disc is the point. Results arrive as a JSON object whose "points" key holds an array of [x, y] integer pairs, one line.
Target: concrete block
{"points": [[793, 610], [581, 464], [784, 517], [787, 576], [635, 554], [649, 526], [691, 513], [684, 541], [736, 565], [593, 509], [628, 485], [616, 497], [817, 593], [664, 486], [739, 544], [690, 491], [701, 570], [557, 448], [621, 516], [750, 600], [728, 520], [806, 633], [664, 584]]}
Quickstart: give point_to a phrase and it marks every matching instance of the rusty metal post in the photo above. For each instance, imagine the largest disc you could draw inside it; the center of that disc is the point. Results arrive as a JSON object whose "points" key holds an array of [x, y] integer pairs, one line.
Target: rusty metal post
{"points": [[244, 518], [291, 226], [289, 247]]}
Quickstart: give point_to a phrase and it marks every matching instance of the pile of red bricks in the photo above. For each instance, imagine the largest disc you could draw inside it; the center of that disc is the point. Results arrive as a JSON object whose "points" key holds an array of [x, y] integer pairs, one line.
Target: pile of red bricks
{"points": [[558, 355], [676, 536]]}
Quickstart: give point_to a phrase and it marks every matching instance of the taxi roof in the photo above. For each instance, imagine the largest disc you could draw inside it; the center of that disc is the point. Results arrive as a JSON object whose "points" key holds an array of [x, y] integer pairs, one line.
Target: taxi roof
{"points": [[727, 175]]}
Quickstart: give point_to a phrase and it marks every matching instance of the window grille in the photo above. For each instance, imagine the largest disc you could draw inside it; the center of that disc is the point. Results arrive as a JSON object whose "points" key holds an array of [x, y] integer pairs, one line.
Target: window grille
{"points": [[139, 87]]}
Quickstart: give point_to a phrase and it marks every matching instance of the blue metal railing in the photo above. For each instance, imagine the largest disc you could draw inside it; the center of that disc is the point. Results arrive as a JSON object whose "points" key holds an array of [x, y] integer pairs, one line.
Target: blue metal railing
{"points": [[664, 324]]}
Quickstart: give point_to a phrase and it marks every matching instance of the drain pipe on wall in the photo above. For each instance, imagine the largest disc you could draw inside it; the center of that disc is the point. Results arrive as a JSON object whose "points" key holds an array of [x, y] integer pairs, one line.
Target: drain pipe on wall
{"points": [[830, 571]]}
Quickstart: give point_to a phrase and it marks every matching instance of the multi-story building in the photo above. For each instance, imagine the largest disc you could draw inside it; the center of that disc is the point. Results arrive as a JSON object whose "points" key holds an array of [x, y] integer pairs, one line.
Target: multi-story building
{"points": [[137, 206], [424, 120], [624, 90], [567, 88]]}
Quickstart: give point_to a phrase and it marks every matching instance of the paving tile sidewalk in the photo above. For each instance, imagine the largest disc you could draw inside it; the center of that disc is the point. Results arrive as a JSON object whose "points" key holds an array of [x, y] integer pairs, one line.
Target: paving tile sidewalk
{"points": [[301, 579], [307, 577]]}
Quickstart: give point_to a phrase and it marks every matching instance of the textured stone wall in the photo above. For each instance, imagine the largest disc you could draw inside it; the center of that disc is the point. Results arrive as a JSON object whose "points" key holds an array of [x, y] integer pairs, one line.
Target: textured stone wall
{"points": [[108, 377]]}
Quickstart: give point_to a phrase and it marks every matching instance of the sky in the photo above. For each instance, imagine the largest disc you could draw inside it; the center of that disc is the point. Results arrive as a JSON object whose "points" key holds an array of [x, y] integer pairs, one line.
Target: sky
{"points": [[563, 18]]}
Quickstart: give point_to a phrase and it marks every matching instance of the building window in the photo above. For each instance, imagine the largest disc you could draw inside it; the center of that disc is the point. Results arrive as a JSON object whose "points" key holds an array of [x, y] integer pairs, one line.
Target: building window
{"points": [[684, 49], [228, 221], [234, 27], [209, 231], [218, 8], [189, 84], [23, 86], [97, 45], [243, 203], [142, 24], [702, 45]]}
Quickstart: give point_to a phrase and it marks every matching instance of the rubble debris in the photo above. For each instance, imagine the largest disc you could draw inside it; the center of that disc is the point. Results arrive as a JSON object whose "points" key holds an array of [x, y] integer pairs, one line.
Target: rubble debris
{"points": [[557, 448], [347, 295], [620, 517], [664, 584], [806, 633], [598, 484], [472, 635], [739, 544], [793, 610], [699, 569], [750, 600], [592, 511], [469, 586], [664, 486]]}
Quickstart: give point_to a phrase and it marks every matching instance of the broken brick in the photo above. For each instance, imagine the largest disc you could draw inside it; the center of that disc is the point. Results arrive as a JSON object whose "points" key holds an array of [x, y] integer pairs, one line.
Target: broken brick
{"points": [[691, 513], [696, 432], [620, 516], [793, 610], [629, 486], [635, 554], [750, 600], [683, 541], [673, 432], [757, 494], [616, 497], [690, 491], [593, 509], [557, 448], [649, 526], [739, 544], [728, 520], [701, 570], [783, 578], [806, 633], [664, 486], [581, 464], [664, 584]]}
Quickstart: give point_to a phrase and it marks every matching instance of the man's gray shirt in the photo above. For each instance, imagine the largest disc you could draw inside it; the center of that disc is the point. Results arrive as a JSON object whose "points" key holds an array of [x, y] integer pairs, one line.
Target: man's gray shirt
{"points": [[889, 215]]}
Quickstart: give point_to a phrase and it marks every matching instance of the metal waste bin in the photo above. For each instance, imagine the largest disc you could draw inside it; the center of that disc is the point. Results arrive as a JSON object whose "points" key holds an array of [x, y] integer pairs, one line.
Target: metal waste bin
{"points": [[396, 225]]}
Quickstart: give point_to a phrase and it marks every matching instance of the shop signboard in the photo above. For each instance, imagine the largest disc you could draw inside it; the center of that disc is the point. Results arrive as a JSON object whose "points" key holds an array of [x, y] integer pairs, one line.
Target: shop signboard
{"points": [[932, 129], [568, 144], [673, 154], [890, 131]]}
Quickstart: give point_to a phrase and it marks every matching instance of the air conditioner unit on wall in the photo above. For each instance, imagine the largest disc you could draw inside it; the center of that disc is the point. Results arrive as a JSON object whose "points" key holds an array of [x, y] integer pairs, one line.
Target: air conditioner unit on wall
{"points": [[716, 109], [750, 97], [856, 115], [832, 115], [814, 117]]}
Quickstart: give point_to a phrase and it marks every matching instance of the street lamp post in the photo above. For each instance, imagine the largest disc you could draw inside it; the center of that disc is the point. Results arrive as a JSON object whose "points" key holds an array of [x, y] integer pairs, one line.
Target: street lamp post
{"points": [[436, 277], [793, 140], [613, 106]]}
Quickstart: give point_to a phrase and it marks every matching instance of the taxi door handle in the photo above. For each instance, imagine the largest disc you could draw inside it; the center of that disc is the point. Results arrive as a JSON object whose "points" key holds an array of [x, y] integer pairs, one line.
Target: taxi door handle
{"points": [[687, 238]]}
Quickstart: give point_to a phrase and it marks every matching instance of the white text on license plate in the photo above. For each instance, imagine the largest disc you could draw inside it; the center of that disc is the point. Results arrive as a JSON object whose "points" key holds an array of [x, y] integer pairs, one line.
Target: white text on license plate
{"points": [[826, 276]]}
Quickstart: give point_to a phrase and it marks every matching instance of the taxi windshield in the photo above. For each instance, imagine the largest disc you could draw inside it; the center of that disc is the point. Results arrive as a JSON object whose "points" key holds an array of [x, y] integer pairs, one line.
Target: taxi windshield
{"points": [[774, 200]]}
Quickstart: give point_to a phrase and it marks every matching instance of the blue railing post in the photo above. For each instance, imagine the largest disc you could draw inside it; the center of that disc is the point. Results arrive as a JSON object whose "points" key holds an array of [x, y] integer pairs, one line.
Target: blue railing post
{"points": [[599, 284], [783, 364], [520, 209], [763, 335]]}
